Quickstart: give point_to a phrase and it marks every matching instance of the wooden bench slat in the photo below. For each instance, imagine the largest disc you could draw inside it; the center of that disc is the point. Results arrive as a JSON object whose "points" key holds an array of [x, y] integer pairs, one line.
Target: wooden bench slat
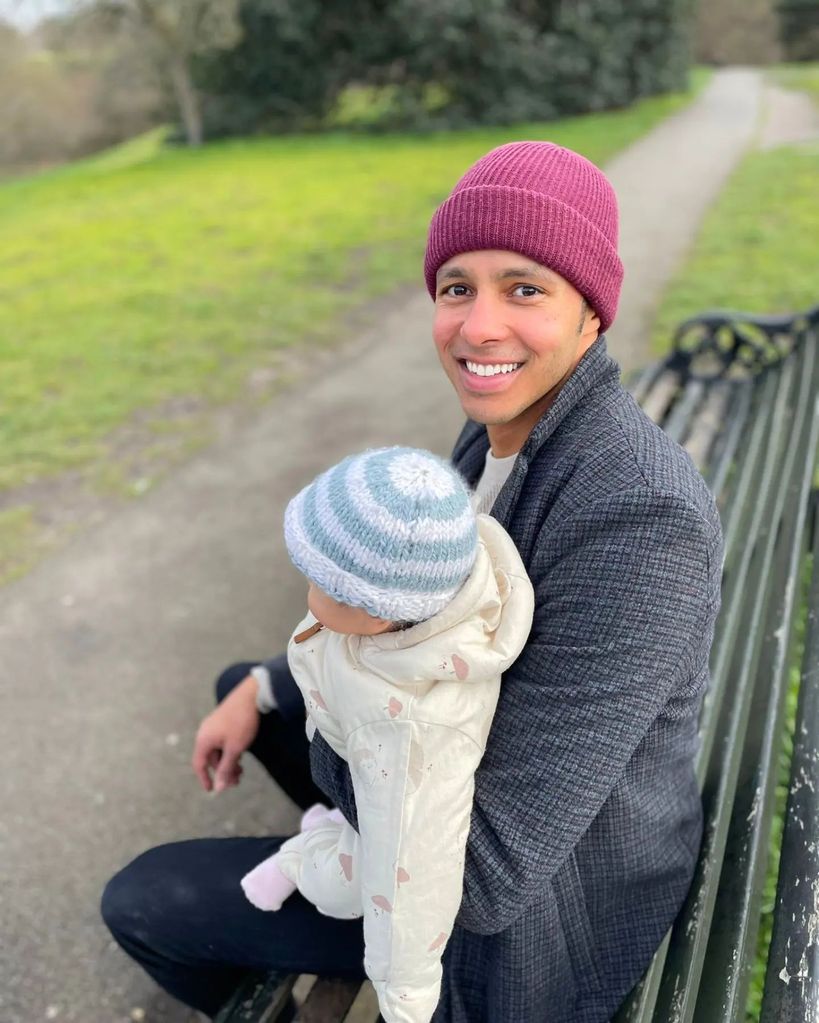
{"points": [[657, 403], [792, 980], [641, 381], [258, 1000], [686, 404], [701, 433], [738, 501], [738, 556], [329, 999], [365, 1008], [724, 453]]}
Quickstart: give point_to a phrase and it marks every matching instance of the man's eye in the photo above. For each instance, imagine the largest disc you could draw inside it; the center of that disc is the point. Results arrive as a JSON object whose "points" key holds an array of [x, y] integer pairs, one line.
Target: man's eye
{"points": [[526, 291], [455, 290]]}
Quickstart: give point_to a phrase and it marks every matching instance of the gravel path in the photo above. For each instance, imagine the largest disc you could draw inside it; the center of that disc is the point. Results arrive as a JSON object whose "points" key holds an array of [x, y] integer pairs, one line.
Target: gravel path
{"points": [[107, 648]]}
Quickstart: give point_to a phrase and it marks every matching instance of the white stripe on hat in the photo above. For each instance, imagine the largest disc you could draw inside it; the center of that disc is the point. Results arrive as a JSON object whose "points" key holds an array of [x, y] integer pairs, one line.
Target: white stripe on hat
{"points": [[368, 559], [375, 515], [388, 604]]}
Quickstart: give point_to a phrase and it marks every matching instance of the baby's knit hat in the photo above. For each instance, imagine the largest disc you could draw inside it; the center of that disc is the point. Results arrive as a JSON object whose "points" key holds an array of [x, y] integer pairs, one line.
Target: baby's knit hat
{"points": [[544, 201], [390, 530]]}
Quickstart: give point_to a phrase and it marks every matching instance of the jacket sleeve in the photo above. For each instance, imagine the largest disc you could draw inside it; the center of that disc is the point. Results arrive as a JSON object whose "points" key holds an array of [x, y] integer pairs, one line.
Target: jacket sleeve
{"points": [[413, 783], [626, 593], [289, 701]]}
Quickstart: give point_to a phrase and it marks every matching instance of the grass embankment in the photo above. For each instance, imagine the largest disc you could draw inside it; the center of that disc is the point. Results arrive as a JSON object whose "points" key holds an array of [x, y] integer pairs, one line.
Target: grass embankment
{"points": [[757, 252], [802, 77], [151, 274]]}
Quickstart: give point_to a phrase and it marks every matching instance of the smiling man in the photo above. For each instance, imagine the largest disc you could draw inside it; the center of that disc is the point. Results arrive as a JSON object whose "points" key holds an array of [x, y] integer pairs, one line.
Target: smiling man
{"points": [[586, 818]]}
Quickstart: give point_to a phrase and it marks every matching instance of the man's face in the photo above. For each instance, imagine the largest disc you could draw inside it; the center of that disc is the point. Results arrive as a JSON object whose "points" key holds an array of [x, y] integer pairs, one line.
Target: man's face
{"points": [[496, 308]]}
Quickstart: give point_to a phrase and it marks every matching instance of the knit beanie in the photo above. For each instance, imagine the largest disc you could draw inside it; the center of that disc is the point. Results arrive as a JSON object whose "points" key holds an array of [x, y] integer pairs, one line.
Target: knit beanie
{"points": [[390, 530], [543, 201]]}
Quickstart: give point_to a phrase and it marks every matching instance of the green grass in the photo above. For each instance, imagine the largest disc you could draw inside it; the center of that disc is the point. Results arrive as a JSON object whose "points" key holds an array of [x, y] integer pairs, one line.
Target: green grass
{"points": [[17, 535], [149, 273], [803, 77], [758, 248]]}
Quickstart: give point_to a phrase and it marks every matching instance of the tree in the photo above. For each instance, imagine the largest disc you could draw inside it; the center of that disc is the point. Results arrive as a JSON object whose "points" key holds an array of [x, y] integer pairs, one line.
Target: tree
{"points": [[125, 92], [799, 29], [43, 114], [177, 31]]}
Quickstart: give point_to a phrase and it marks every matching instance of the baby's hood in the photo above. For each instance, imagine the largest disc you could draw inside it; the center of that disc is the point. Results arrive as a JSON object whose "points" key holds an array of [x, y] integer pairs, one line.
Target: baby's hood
{"points": [[477, 635]]}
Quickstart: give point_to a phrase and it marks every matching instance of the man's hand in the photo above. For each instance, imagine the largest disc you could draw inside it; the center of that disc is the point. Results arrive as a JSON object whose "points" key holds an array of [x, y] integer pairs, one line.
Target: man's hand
{"points": [[223, 737]]}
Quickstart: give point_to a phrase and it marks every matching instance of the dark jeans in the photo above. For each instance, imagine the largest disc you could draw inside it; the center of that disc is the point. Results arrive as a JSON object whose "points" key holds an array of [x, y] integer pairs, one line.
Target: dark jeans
{"points": [[179, 910]]}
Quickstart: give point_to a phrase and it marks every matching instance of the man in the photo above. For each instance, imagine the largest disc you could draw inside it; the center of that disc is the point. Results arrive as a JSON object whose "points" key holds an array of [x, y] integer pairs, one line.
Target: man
{"points": [[586, 820]]}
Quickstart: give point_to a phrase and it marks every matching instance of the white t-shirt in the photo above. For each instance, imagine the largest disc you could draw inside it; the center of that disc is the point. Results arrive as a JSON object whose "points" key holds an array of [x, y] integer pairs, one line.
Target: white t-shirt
{"points": [[495, 473]]}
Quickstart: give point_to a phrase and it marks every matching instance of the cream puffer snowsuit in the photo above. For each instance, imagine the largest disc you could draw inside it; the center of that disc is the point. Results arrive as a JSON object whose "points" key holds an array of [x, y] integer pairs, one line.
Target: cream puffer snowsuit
{"points": [[410, 711]]}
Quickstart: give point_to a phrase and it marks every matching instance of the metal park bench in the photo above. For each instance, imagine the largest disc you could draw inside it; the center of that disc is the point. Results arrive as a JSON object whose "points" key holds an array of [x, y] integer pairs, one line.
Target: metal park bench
{"points": [[741, 394]]}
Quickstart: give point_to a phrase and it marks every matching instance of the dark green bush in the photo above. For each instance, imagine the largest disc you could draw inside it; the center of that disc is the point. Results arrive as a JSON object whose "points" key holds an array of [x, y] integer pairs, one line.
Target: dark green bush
{"points": [[799, 29], [441, 63]]}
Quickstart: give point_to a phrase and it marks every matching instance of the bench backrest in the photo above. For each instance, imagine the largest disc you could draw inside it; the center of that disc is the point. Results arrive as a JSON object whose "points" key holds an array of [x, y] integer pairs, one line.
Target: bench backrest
{"points": [[740, 393]]}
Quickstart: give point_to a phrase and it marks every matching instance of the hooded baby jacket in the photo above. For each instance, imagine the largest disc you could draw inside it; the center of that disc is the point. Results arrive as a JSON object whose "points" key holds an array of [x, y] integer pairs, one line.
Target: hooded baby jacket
{"points": [[410, 712]]}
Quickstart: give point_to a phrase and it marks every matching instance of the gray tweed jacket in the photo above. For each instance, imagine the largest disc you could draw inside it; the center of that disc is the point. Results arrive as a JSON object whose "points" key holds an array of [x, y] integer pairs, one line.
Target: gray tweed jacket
{"points": [[587, 820]]}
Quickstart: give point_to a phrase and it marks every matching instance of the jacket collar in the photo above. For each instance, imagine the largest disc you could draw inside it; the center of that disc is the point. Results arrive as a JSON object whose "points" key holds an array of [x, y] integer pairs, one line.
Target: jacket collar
{"points": [[596, 368]]}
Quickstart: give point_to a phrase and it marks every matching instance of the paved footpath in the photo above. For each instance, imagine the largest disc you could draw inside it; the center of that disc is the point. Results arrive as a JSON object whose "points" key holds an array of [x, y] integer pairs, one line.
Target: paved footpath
{"points": [[107, 648]]}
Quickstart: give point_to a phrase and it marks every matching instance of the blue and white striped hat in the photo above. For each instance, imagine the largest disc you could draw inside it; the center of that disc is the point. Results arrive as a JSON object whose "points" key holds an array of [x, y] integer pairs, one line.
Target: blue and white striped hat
{"points": [[390, 530]]}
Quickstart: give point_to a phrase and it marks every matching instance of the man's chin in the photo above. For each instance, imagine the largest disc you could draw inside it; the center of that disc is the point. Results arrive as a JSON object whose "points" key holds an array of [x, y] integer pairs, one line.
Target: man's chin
{"points": [[487, 417]]}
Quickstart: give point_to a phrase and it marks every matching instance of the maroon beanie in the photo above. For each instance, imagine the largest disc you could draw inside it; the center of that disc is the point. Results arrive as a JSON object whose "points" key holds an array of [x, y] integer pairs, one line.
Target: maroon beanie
{"points": [[543, 201]]}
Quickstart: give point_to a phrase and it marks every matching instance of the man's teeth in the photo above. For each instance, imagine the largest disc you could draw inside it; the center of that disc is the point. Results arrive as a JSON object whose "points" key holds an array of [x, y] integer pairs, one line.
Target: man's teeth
{"points": [[490, 371]]}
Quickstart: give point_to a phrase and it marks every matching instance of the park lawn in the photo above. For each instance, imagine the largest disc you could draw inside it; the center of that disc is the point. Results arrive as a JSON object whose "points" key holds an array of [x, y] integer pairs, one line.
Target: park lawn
{"points": [[757, 249], [803, 77], [151, 274]]}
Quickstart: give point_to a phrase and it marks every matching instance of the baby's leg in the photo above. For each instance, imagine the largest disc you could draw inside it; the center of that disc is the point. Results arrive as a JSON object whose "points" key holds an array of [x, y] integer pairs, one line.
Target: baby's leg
{"points": [[317, 814], [328, 868], [266, 885]]}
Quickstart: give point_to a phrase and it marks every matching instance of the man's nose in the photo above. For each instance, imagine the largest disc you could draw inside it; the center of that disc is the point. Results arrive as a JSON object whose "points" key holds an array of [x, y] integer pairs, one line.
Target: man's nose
{"points": [[484, 321]]}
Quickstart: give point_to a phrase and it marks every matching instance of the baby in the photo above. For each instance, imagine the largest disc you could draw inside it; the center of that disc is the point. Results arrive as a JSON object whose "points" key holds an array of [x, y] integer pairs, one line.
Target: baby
{"points": [[416, 608]]}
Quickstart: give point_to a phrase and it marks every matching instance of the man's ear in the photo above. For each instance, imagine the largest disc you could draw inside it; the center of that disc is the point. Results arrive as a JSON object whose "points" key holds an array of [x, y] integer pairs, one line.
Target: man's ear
{"points": [[592, 321], [589, 320]]}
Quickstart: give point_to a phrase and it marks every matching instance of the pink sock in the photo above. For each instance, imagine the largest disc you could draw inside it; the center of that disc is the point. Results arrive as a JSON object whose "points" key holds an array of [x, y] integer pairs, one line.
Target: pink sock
{"points": [[266, 886]]}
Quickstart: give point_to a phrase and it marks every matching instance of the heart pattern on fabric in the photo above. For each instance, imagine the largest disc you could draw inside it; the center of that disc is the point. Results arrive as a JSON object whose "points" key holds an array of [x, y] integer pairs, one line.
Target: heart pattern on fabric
{"points": [[318, 698], [460, 666], [382, 903], [394, 707], [402, 875], [346, 861], [438, 943]]}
